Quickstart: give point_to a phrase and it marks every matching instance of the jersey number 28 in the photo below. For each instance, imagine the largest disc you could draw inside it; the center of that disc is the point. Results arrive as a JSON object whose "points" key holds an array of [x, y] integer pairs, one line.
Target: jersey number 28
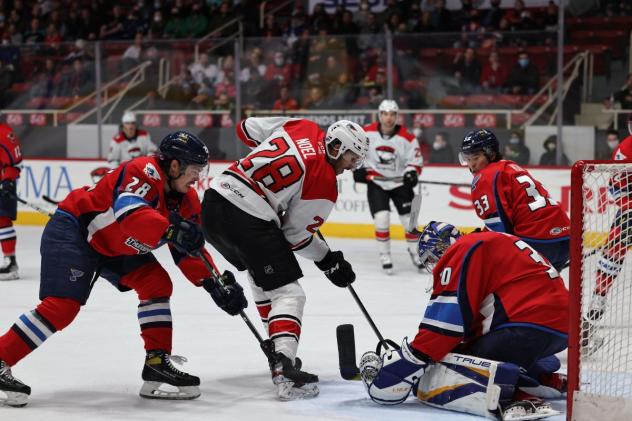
{"points": [[280, 172]]}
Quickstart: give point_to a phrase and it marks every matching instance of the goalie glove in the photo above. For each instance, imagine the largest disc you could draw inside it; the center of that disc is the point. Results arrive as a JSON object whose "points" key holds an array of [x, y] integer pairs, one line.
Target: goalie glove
{"points": [[390, 378]]}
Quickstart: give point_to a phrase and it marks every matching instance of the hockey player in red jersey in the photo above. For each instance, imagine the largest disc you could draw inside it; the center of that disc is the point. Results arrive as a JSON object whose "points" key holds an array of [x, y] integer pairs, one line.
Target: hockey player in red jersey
{"points": [[11, 162], [268, 206], [494, 297], [110, 229], [619, 240], [131, 142], [391, 171], [508, 199]]}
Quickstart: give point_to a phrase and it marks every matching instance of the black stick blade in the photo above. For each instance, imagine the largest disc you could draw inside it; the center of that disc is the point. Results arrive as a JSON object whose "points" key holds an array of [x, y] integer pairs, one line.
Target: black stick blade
{"points": [[346, 352]]}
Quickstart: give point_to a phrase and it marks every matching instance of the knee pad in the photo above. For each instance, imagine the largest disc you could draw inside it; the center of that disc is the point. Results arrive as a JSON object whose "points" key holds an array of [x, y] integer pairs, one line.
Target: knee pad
{"points": [[149, 281], [59, 312], [382, 220]]}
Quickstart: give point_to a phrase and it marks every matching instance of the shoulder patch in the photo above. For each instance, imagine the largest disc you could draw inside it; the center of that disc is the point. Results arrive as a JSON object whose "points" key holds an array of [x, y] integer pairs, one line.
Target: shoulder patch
{"points": [[151, 171]]}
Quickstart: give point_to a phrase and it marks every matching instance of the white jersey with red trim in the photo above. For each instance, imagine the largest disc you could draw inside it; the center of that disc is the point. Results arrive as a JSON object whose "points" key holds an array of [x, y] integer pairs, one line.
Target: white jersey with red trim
{"points": [[286, 179], [391, 156], [123, 148]]}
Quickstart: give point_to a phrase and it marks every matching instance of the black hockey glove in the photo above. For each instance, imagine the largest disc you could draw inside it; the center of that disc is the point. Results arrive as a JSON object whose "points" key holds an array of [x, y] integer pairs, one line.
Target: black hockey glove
{"points": [[410, 179], [7, 188], [337, 269], [186, 236], [359, 175], [229, 297]]}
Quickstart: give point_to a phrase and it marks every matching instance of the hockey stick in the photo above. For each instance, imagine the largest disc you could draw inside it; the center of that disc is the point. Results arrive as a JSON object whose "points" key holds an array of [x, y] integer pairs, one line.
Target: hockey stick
{"points": [[438, 183], [383, 342], [32, 205], [50, 200], [267, 346], [415, 208]]}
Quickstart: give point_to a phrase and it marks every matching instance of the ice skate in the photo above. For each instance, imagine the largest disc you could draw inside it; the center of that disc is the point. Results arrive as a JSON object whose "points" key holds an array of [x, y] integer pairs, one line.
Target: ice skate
{"points": [[159, 371], [291, 382], [9, 271], [387, 263], [414, 257], [529, 409], [12, 391]]}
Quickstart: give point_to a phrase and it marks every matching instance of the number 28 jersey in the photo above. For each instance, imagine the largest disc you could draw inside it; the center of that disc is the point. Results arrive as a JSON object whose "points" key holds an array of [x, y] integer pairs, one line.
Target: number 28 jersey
{"points": [[508, 199], [285, 179]]}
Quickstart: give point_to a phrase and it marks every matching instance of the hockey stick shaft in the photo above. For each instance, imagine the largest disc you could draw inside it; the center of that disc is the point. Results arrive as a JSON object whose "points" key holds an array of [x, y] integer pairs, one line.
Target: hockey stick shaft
{"points": [[218, 278], [367, 316], [50, 200], [32, 205], [438, 183]]}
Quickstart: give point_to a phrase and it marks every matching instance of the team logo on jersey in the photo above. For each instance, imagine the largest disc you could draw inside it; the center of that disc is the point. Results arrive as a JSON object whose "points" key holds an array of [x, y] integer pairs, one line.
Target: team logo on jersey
{"points": [[75, 274], [268, 269], [137, 245], [227, 186], [474, 181], [386, 154], [151, 172]]}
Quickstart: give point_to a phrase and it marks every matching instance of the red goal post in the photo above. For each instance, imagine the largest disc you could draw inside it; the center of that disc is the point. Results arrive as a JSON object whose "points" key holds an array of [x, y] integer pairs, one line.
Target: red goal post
{"points": [[600, 348]]}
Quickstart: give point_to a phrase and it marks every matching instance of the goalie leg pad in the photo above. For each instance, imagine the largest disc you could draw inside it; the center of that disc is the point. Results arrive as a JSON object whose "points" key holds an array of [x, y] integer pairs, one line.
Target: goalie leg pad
{"points": [[468, 384]]}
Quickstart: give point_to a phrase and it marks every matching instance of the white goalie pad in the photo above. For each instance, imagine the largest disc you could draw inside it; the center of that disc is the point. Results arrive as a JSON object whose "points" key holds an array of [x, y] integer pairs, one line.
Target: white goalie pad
{"points": [[468, 384]]}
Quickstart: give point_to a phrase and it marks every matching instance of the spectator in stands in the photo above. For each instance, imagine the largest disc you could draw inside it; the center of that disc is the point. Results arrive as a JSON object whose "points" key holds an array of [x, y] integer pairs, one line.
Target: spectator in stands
{"points": [[524, 77], [224, 102], [278, 71], [226, 65], [361, 17], [371, 34], [469, 68], [550, 156], [34, 34], [131, 56], [347, 26], [87, 25], [13, 35], [551, 17], [606, 151], [176, 26], [516, 150], [333, 69], [223, 15], [254, 91], [442, 152], [204, 72], [493, 76], [7, 76], [440, 17], [197, 22], [270, 27], [183, 90], [285, 102], [624, 96], [53, 38], [113, 28], [254, 63], [226, 85], [157, 25], [77, 82], [319, 19], [316, 99], [342, 94], [492, 16]]}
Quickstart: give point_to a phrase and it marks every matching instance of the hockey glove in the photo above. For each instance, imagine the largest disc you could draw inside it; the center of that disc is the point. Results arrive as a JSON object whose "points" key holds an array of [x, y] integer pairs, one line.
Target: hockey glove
{"points": [[390, 378], [229, 297], [360, 175], [337, 269], [7, 188], [186, 236], [410, 179]]}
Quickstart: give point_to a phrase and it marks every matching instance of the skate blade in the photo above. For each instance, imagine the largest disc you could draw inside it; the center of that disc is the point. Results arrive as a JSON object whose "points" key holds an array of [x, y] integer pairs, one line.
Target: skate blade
{"points": [[388, 271], [152, 390], [14, 399], [287, 391], [535, 412], [11, 276]]}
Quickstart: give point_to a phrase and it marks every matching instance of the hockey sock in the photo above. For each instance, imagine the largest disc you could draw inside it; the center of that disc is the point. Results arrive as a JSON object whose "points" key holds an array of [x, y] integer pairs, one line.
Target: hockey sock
{"points": [[411, 241], [382, 231], [34, 327], [154, 317], [264, 307], [608, 269], [7, 236]]}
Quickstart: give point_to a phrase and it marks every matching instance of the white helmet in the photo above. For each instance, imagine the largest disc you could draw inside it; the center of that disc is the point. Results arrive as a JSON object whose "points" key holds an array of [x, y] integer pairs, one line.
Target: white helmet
{"points": [[388, 105], [351, 136], [128, 117]]}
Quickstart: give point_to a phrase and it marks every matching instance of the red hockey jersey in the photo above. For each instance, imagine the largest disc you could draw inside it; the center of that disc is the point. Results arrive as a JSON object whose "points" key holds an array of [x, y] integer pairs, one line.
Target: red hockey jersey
{"points": [[127, 213], [508, 199], [488, 281], [624, 150], [10, 154]]}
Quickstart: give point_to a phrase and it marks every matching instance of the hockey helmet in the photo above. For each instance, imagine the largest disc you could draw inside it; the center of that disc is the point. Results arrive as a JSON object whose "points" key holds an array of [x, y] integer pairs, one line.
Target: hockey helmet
{"points": [[128, 117], [7, 133], [185, 147], [388, 105], [434, 240], [480, 141], [350, 136]]}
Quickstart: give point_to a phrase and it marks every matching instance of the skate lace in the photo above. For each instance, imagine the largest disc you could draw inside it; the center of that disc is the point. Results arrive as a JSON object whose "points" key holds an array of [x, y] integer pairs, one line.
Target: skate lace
{"points": [[5, 371], [178, 359]]}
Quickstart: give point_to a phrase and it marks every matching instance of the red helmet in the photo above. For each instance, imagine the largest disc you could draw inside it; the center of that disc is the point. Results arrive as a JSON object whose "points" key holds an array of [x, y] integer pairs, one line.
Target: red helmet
{"points": [[6, 133]]}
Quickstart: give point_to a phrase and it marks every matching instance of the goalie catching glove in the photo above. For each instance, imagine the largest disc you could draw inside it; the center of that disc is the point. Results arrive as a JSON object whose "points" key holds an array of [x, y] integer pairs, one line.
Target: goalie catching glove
{"points": [[337, 269], [390, 378], [229, 297]]}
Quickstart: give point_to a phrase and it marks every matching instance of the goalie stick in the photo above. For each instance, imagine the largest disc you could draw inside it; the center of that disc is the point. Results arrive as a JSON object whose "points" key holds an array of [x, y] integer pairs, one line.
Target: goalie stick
{"points": [[32, 205], [346, 352], [438, 183], [50, 200]]}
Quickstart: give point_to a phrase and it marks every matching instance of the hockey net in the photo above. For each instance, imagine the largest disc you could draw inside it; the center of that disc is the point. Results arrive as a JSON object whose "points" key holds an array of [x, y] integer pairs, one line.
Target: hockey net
{"points": [[600, 340]]}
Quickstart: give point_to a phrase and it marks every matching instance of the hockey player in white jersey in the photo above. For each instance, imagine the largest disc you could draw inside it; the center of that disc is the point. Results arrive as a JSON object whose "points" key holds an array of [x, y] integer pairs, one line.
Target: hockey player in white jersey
{"points": [[268, 206], [391, 172], [131, 142]]}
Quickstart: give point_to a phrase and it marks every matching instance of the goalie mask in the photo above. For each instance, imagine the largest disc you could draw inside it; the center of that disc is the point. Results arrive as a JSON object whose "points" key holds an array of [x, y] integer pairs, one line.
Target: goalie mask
{"points": [[434, 240]]}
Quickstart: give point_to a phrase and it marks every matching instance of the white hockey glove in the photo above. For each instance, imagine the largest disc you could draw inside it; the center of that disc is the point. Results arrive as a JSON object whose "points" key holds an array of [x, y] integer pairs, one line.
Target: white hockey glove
{"points": [[390, 378]]}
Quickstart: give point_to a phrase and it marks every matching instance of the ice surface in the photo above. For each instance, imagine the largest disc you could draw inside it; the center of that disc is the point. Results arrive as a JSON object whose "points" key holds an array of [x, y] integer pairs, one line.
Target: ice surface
{"points": [[92, 369]]}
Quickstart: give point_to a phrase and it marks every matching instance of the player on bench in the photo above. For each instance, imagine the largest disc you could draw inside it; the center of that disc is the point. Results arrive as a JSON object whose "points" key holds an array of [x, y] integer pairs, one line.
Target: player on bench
{"points": [[502, 307]]}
